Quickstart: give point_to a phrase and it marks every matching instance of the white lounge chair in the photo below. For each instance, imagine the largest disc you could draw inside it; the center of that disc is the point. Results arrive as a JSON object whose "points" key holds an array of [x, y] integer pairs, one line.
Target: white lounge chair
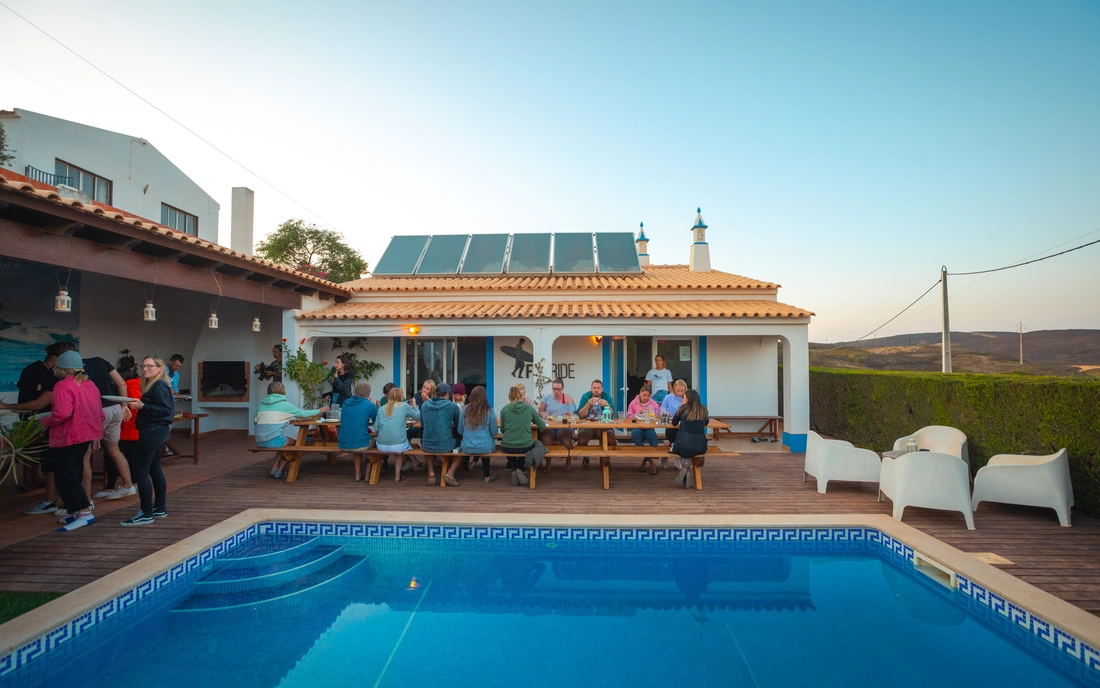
{"points": [[938, 438], [932, 480], [1027, 480], [838, 460]]}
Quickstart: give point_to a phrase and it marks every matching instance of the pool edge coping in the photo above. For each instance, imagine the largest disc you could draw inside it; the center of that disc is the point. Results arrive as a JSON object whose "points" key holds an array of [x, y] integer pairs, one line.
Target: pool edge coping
{"points": [[63, 610]]}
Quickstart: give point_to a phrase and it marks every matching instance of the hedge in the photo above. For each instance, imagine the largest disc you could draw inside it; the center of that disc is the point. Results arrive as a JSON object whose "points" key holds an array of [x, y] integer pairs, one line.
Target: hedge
{"points": [[1000, 414]]}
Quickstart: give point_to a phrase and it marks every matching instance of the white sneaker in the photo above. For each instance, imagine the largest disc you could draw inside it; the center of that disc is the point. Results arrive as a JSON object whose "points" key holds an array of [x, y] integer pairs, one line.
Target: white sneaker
{"points": [[121, 492], [42, 508], [102, 493]]}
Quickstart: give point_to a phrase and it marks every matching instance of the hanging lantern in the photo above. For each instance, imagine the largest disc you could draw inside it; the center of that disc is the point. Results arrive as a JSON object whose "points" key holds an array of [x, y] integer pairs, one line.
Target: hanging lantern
{"points": [[212, 322], [62, 303], [149, 314], [256, 324]]}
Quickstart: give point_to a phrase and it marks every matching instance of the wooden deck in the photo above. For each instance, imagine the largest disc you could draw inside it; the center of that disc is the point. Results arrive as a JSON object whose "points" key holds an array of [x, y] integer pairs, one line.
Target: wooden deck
{"points": [[1062, 561]]}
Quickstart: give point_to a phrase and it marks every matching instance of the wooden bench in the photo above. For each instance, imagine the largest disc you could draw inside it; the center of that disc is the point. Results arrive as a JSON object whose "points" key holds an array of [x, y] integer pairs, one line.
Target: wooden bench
{"points": [[294, 454], [374, 456], [769, 426], [605, 457]]}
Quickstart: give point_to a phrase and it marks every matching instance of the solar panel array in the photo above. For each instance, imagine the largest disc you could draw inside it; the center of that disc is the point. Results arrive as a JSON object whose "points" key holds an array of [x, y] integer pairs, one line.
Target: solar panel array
{"points": [[563, 253]]}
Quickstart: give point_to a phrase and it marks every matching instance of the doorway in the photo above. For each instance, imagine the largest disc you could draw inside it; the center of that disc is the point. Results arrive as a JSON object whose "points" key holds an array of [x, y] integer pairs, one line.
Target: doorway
{"points": [[679, 355]]}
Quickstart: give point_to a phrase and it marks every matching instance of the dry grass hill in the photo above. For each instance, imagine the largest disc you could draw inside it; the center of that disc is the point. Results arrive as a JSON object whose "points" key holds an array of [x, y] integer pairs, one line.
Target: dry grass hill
{"points": [[1046, 352]]}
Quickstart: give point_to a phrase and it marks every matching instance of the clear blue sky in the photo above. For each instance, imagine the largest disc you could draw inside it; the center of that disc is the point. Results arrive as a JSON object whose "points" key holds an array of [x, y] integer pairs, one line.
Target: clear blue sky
{"points": [[845, 150]]}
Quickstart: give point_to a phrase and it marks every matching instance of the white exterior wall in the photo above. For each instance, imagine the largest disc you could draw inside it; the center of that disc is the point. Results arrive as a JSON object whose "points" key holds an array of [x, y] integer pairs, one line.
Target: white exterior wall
{"points": [[742, 378], [586, 357], [128, 162], [377, 349]]}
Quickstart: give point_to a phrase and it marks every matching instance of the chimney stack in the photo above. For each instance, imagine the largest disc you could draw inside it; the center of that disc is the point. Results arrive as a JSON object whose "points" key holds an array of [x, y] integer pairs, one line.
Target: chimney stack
{"points": [[240, 224], [643, 245], [700, 251]]}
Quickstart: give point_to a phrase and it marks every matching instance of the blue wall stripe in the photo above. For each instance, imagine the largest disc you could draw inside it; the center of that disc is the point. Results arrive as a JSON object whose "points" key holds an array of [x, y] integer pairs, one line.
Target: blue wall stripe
{"points": [[396, 379], [606, 374], [703, 370], [490, 369]]}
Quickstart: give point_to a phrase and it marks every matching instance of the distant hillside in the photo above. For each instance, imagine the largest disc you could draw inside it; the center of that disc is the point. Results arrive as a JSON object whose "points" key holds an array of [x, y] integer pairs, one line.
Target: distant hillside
{"points": [[1046, 352]]}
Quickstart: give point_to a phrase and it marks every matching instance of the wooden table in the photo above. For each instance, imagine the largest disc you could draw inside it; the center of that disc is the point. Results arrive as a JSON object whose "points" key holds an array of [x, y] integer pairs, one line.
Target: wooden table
{"points": [[606, 429], [170, 452]]}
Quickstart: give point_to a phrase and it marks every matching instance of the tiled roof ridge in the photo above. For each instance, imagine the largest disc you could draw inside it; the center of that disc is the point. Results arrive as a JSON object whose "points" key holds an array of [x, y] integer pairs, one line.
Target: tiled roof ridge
{"points": [[423, 310], [14, 180]]}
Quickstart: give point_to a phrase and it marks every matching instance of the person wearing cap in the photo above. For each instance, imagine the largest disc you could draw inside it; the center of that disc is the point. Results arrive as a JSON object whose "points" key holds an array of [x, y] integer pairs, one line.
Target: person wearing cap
{"points": [[439, 419], [458, 395], [75, 421], [355, 420]]}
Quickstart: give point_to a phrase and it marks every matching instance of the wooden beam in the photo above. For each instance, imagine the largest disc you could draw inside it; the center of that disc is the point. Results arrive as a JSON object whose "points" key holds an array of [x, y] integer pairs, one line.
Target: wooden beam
{"points": [[63, 228], [25, 242], [308, 291]]}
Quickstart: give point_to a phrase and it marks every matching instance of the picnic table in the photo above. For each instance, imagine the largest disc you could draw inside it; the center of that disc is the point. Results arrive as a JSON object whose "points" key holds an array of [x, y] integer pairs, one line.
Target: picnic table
{"points": [[169, 450]]}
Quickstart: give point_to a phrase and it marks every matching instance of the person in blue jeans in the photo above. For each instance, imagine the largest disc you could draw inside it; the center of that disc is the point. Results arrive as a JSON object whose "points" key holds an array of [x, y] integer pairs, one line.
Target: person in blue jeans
{"points": [[644, 409], [355, 420]]}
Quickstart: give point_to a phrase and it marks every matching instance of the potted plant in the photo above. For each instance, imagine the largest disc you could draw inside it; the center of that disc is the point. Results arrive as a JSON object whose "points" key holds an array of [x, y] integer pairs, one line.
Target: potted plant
{"points": [[310, 376], [21, 444]]}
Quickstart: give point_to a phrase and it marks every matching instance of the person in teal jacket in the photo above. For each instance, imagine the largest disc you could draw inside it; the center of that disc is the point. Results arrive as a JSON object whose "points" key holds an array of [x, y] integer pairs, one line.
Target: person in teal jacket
{"points": [[273, 420], [356, 416]]}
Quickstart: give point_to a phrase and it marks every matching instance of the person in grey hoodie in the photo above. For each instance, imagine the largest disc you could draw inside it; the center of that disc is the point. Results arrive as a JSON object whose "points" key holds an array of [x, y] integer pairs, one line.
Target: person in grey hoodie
{"points": [[390, 429], [439, 417], [272, 421]]}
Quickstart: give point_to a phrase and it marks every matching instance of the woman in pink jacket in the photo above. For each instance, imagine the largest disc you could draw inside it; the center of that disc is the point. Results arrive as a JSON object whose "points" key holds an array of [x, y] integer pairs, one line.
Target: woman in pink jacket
{"points": [[76, 422]]}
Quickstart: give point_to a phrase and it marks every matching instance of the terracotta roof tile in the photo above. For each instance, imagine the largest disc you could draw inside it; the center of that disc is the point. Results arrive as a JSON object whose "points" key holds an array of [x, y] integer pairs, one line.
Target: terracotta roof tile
{"points": [[18, 182], [424, 310], [652, 277]]}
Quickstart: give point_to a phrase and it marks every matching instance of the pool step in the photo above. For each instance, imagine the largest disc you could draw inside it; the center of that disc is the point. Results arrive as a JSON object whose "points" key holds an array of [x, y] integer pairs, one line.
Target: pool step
{"points": [[239, 578], [268, 596], [263, 550]]}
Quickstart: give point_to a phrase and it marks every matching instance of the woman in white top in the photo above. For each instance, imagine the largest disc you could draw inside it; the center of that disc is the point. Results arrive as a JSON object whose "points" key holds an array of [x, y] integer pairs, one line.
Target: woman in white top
{"points": [[660, 379]]}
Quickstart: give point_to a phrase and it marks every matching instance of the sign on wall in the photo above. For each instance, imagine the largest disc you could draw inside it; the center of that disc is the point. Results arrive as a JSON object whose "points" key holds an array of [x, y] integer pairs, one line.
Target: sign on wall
{"points": [[524, 362]]}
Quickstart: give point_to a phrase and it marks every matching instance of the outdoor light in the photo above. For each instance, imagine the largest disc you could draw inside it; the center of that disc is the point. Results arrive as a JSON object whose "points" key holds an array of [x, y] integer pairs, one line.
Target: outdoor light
{"points": [[414, 330], [212, 322], [149, 314], [256, 324], [597, 338], [62, 303]]}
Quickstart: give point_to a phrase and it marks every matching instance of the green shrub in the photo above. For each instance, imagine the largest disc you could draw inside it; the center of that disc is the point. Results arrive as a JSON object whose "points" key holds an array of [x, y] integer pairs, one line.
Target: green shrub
{"points": [[1000, 414]]}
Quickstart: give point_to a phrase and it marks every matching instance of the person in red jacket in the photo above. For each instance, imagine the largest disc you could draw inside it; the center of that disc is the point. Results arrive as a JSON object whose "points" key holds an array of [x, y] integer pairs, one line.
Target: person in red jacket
{"points": [[75, 422], [128, 434]]}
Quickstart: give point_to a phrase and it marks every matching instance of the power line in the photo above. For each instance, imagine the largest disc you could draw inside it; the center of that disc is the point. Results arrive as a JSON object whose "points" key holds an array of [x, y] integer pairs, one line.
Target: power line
{"points": [[936, 284], [1027, 262], [173, 119]]}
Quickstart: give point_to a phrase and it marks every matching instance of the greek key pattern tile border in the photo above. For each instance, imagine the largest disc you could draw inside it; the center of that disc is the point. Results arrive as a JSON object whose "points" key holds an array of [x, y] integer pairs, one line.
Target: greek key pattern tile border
{"points": [[1037, 626], [54, 639]]}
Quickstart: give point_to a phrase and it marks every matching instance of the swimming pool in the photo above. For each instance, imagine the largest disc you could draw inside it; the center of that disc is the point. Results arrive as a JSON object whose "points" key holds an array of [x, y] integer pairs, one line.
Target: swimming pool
{"points": [[283, 603]]}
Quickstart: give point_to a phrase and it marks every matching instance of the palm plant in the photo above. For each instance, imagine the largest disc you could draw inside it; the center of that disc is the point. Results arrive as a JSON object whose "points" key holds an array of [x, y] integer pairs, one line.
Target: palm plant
{"points": [[20, 445]]}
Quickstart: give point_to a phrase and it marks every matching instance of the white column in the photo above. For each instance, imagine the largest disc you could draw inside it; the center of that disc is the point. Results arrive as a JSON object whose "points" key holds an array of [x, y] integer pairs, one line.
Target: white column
{"points": [[796, 387]]}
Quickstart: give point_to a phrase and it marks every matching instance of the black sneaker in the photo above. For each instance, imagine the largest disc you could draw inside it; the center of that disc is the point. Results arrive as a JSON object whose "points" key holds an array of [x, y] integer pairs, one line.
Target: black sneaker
{"points": [[160, 512], [139, 520]]}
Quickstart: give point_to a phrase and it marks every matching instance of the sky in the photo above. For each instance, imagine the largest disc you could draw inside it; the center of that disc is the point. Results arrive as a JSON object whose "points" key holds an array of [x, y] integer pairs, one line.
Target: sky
{"points": [[844, 150]]}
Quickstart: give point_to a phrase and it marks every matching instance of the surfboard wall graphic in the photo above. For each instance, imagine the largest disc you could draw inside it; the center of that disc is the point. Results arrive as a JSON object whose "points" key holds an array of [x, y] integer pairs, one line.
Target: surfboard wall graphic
{"points": [[518, 352]]}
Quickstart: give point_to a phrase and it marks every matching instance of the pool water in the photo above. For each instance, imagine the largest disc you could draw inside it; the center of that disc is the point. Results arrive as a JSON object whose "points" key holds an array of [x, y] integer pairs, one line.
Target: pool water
{"points": [[284, 610]]}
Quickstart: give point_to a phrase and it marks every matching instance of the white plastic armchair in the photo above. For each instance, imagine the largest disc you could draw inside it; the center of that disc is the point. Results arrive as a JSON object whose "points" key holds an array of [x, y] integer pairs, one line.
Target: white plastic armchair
{"points": [[1027, 480], [932, 480], [938, 438], [838, 460]]}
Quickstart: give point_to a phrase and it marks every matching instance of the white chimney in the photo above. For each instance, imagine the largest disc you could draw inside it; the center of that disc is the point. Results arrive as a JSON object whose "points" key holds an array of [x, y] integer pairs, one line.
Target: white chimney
{"points": [[643, 245], [700, 251], [240, 223]]}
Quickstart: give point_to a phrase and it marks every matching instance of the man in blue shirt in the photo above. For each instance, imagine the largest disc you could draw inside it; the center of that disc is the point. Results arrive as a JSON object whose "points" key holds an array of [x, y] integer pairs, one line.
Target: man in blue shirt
{"points": [[174, 366], [356, 416]]}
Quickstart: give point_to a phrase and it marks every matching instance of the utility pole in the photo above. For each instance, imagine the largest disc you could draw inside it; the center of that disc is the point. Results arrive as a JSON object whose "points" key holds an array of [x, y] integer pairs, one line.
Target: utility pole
{"points": [[946, 323], [1021, 342]]}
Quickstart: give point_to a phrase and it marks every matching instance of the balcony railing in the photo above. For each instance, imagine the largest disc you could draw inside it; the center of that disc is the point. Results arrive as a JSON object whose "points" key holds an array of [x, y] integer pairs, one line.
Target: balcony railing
{"points": [[47, 178]]}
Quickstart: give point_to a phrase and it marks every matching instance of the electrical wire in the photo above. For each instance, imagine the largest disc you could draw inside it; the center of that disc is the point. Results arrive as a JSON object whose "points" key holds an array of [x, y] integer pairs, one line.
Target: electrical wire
{"points": [[170, 117], [1027, 262], [882, 325]]}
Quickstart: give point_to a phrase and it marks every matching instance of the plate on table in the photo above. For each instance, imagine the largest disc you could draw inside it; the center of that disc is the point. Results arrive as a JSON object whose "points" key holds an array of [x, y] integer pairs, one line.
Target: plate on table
{"points": [[124, 400]]}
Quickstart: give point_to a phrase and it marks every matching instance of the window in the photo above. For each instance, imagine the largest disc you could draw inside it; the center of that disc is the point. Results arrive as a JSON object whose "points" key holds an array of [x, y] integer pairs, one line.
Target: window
{"points": [[178, 220], [436, 359], [94, 186]]}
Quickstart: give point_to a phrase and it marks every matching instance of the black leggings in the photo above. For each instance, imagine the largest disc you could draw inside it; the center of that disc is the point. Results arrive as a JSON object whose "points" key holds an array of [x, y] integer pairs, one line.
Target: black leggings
{"points": [[516, 458], [146, 472], [127, 448], [670, 435], [68, 475]]}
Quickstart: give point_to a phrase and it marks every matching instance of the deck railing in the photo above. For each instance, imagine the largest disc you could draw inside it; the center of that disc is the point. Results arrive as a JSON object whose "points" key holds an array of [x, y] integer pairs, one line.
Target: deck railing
{"points": [[47, 178]]}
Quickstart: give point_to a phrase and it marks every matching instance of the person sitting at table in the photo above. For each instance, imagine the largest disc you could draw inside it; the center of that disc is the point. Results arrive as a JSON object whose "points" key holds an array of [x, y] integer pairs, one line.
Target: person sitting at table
{"points": [[355, 419], [526, 399], [691, 441], [273, 421], [557, 403], [478, 427], [458, 394], [516, 420], [659, 379], [390, 429], [670, 405], [426, 393], [643, 406], [592, 404], [439, 420]]}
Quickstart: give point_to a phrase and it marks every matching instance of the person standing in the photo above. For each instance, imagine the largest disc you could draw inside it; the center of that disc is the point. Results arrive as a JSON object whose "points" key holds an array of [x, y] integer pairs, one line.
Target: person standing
{"points": [[691, 418], [127, 434], [75, 421], [109, 383], [355, 420], [478, 427], [659, 379], [342, 381], [440, 419], [154, 424], [35, 386], [173, 371]]}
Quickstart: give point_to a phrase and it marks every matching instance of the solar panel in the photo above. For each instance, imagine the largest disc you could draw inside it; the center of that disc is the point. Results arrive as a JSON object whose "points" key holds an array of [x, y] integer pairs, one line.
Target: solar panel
{"points": [[530, 254], [401, 255], [617, 253], [573, 254], [443, 255], [485, 255]]}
